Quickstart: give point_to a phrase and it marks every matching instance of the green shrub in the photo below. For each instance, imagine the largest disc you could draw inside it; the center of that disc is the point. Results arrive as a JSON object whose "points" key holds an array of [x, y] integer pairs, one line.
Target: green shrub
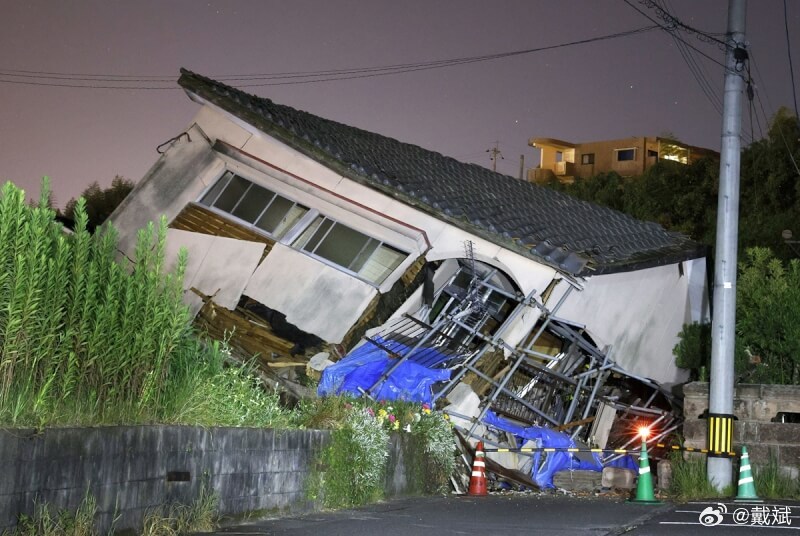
{"points": [[767, 346], [353, 465], [85, 340]]}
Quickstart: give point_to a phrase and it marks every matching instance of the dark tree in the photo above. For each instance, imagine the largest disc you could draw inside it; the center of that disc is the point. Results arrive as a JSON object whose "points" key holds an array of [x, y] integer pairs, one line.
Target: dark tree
{"points": [[100, 203]]}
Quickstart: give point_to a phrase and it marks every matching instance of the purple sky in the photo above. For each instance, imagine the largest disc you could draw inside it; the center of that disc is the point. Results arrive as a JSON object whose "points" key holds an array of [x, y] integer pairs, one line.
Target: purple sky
{"points": [[632, 86]]}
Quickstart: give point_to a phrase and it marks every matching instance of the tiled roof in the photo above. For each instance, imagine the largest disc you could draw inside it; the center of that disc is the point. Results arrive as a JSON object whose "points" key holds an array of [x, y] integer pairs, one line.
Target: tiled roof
{"points": [[571, 235]]}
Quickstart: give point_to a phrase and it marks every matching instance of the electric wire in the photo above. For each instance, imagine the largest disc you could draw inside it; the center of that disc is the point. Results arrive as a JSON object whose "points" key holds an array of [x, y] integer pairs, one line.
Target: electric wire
{"points": [[789, 52], [672, 31], [102, 82], [673, 21], [766, 117]]}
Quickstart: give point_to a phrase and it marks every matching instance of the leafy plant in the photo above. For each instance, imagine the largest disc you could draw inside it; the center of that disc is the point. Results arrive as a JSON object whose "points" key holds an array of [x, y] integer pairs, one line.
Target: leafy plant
{"points": [[354, 464], [693, 350], [86, 340]]}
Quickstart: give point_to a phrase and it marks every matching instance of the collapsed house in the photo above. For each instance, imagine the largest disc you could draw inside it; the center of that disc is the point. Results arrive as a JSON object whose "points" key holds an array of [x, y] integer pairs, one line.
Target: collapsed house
{"points": [[305, 234]]}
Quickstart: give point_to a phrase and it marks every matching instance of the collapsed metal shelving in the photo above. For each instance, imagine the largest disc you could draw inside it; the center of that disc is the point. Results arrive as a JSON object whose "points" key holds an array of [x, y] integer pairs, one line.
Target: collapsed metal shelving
{"points": [[578, 388]]}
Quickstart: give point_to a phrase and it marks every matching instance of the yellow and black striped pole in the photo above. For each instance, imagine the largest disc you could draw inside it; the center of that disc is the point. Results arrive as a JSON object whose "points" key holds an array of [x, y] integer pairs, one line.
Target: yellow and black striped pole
{"points": [[720, 434]]}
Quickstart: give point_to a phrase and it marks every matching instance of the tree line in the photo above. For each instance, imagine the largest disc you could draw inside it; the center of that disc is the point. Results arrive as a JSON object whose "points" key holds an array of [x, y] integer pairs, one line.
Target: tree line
{"points": [[683, 198]]}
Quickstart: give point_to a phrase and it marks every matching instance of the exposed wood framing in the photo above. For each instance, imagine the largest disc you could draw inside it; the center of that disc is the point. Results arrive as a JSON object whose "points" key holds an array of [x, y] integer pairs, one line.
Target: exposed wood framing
{"points": [[199, 219], [246, 334]]}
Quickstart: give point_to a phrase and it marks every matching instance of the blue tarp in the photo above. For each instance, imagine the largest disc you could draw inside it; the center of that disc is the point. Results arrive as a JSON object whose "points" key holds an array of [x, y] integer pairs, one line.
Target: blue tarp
{"points": [[542, 473], [362, 367]]}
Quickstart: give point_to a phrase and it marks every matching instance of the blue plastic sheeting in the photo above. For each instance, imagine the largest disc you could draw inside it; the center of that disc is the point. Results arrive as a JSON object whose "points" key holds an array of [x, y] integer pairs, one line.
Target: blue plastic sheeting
{"points": [[362, 367], [425, 356], [542, 473]]}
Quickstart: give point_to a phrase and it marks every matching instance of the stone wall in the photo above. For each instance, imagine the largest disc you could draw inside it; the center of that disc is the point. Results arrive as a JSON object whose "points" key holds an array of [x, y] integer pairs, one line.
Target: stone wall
{"points": [[133, 469], [758, 410]]}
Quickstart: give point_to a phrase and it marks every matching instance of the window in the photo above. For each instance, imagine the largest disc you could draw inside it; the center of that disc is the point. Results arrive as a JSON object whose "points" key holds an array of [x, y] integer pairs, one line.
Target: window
{"points": [[365, 256], [587, 158], [625, 155], [254, 204], [316, 234]]}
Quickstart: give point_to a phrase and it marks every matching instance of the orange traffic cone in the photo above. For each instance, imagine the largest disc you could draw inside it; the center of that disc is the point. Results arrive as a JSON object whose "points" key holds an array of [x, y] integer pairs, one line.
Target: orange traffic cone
{"points": [[477, 482]]}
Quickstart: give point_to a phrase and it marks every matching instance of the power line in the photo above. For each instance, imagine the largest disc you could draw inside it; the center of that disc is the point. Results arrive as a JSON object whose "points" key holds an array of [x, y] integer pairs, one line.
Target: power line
{"points": [[697, 71], [672, 32], [102, 81], [675, 23], [789, 52]]}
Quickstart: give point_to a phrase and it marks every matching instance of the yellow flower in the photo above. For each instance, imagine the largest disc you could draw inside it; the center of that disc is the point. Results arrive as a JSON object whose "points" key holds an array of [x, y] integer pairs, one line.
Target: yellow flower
{"points": [[382, 413]]}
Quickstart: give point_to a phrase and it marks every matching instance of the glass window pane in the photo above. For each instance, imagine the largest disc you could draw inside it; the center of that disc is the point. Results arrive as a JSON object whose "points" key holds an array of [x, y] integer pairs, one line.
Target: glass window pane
{"points": [[382, 263], [362, 257], [213, 193], [274, 214], [232, 193], [253, 203], [626, 155], [304, 241], [341, 245], [289, 220]]}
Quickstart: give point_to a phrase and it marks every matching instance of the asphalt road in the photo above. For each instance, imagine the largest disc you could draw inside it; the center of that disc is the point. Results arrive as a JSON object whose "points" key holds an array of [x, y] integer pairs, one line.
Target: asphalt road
{"points": [[539, 514]]}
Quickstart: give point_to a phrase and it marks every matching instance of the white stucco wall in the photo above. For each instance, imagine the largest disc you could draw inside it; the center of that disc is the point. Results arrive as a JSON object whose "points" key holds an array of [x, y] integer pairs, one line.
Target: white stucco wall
{"points": [[639, 314], [177, 177], [216, 266], [315, 297]]}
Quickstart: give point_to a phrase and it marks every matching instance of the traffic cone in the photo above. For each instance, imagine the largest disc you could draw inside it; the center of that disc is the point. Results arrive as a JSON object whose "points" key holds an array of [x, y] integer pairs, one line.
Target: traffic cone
{"points": [[477, 482], [747, 488], [644, 485]]}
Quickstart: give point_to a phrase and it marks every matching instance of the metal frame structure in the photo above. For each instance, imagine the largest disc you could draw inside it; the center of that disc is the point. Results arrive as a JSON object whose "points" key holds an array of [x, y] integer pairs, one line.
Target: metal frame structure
{"points": [[563, 391]]}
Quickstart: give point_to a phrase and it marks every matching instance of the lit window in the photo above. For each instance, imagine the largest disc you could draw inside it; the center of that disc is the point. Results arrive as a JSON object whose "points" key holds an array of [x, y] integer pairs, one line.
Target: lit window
{"points": [[587, 158], [254, 204], [371, 259], [625, 155]]}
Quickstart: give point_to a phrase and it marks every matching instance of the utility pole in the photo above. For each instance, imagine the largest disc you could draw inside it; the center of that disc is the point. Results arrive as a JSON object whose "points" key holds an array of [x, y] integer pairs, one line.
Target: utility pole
{"points": [[720, 396], [521, 167], [494, 152]]}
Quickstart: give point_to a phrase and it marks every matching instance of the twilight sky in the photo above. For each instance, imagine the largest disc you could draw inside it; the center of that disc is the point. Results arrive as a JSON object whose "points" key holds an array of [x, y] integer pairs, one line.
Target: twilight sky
{"points": [[630, 86]]}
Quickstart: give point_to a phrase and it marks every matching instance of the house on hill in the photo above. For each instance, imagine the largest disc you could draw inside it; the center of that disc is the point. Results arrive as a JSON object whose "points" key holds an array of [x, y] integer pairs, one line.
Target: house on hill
{"points": [[303, 233], [566, 161]]}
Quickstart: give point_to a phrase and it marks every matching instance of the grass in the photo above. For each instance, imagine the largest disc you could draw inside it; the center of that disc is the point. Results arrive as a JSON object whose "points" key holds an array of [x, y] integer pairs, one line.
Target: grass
{"points": [[86, 340], [173, 520], [772, 483], [44, 522], [690, 480]]}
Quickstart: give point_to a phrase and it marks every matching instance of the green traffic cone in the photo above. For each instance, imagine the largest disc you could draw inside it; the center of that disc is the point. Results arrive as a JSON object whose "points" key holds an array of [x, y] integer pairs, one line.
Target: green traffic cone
{"points": [[644, 486], [747, 488]]}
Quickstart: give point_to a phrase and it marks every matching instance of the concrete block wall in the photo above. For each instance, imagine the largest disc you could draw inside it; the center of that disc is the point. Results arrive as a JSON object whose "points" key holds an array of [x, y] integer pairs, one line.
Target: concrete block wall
{"points": [[756, 407], [133, 469]]}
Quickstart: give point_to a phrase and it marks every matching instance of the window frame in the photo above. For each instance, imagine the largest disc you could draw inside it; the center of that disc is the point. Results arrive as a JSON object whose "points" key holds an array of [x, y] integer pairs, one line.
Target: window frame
{"points": [[292, 235], [617, 153], [403, 255], [254, 224], [587, 159]]}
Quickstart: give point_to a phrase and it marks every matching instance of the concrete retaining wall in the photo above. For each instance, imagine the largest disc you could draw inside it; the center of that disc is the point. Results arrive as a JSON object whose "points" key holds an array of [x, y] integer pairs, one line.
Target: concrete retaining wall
{"points": [[757, 408], [130, 470]]}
